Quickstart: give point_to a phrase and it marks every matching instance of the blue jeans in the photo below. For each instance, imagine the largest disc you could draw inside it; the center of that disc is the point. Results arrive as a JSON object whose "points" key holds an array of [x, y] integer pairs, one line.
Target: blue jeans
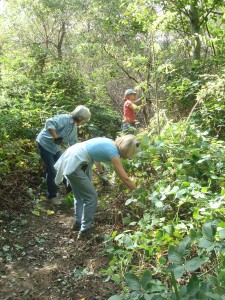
{"points": [[49, 160], [85, 198]]}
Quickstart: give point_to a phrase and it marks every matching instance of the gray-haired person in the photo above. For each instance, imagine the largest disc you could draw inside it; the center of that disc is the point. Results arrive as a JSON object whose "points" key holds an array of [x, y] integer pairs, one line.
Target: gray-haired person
{"points": [[58, 130], [76, 165]]}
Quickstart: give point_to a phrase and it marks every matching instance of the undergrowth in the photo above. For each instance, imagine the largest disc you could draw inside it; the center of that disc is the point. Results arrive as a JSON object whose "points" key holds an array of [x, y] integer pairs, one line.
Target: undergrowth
{"points": [[172, 245]]}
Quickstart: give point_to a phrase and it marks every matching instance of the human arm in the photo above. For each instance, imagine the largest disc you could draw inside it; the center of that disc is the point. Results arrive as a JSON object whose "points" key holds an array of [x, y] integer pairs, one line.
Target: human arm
{"points": [[57, 140], [138, 101], [100, 172], [135, 107], [52, 125], [62, 128], [99, 167], [53, 133], [122, 173]]}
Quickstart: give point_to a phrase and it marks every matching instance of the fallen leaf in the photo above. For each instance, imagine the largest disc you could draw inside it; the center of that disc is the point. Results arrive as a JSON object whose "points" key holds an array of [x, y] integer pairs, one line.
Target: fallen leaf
{"points": [[36, 213]]}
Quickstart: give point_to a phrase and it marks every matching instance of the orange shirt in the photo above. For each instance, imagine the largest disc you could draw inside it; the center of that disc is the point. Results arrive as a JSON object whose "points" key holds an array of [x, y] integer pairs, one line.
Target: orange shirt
{"points": [[128, 113]]}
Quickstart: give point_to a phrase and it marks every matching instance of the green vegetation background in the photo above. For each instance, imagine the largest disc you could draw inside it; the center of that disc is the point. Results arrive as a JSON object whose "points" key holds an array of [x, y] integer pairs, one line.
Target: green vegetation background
{"points": [[59, 54]]}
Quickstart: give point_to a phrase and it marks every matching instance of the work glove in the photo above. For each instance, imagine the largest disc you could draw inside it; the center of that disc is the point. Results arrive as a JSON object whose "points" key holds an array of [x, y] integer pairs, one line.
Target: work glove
{"points": [[104, 180], [58, 141]]}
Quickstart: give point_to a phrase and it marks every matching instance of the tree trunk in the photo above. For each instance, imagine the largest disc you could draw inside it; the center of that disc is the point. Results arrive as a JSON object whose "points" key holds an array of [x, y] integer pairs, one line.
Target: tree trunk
{"points": [[195, 28], [62, 33]]}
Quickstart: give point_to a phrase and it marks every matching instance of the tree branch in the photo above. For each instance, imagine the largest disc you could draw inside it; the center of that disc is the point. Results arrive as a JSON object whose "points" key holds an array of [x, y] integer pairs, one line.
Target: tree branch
{"points": [[120, 66]]}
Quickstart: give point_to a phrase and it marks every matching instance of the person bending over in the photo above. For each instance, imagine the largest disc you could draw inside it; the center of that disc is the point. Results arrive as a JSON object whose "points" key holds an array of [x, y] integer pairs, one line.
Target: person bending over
{"points": [[76, 165], [58, 130]]}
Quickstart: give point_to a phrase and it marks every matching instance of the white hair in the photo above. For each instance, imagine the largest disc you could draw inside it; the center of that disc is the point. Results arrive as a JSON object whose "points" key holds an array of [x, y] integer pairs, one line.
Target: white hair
{"points": [[81, 112]]}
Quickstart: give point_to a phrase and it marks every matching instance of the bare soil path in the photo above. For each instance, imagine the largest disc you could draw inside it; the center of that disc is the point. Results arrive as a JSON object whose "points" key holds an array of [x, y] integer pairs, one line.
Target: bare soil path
{"points": [[41, 259]]}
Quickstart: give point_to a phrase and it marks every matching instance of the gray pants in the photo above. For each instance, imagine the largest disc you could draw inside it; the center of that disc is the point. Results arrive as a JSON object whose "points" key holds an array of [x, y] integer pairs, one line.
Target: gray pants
{"points": [[85, 198]]}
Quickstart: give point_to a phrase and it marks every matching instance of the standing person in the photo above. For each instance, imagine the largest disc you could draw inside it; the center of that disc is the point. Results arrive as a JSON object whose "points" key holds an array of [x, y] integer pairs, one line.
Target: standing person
{"points": [[76, 165], [131, 104], [58, 130]]}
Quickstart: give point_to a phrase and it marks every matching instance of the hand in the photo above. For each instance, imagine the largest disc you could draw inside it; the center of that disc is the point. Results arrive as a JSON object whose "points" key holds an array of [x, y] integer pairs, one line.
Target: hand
{"points": [[58, 141], [104, 180]]}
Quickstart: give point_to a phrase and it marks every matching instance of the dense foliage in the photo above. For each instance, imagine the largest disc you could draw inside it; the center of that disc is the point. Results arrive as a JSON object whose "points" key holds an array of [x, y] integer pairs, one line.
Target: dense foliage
{"points": [[58, 54], [173, 243]]}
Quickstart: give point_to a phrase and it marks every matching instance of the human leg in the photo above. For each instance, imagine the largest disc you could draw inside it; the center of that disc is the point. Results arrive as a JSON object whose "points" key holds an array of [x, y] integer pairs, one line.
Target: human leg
{"points": [[85, 198], [49, 161], [129, 128]]}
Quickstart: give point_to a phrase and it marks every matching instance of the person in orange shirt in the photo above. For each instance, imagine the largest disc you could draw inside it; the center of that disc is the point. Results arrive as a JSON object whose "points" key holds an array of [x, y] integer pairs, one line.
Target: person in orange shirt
{"points": [[131, 104]]}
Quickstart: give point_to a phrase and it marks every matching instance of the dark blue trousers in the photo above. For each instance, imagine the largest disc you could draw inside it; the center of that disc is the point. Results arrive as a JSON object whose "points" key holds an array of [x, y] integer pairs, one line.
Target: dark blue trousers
{"points": [[49, 161]]}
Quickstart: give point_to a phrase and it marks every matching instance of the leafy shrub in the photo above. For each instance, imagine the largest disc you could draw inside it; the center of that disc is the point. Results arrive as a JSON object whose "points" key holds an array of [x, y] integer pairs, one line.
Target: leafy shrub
{"points": [[175, 230], [210, 113], [20, 168]]}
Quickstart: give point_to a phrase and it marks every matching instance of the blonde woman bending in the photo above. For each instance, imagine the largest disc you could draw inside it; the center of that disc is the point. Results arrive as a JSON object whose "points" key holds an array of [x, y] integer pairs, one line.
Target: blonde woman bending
{"points": [[76, 165]]}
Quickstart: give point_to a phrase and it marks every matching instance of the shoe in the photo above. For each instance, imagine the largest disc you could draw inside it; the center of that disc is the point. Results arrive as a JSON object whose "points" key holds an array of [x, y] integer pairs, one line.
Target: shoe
{"points": [[86, 234], [76, 226], [58, 200]]}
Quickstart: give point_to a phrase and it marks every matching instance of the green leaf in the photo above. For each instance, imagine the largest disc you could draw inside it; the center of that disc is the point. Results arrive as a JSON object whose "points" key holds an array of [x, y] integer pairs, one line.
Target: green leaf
{"points": [[152, 296], [129, 201], [209, 230], [40, 240], [222, 233], [6, 248], [119, 236], [177, 270], [116, 278], [193, 264], [116, 297], [169, 229], [36, 213], [184, 246], [203, 243], [180, 193], [128, 242], [193, 233], [174, 190], [193, 285], [162, 260], [146, 278], [213, 296], [204, 189], [126, 220], [174, 256], [18, 247], [114, 234], [221, 224], [159, 204], [133, 282]]}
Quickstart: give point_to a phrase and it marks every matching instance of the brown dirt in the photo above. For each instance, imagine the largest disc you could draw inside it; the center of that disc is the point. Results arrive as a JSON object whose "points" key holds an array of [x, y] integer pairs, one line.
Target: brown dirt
{"points": [[41, 259]]}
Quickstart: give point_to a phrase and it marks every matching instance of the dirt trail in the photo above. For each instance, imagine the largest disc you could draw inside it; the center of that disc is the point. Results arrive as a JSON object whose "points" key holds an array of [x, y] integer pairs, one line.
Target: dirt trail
{"points": [[41, 259]]}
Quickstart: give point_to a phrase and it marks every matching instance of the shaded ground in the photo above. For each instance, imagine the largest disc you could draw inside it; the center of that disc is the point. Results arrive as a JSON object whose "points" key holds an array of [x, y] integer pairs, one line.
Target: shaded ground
{"points": [[40, 258]]}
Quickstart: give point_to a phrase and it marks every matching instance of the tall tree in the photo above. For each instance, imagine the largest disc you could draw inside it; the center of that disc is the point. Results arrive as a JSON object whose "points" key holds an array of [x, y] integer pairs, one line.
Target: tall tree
{"points": [[192, 19]]}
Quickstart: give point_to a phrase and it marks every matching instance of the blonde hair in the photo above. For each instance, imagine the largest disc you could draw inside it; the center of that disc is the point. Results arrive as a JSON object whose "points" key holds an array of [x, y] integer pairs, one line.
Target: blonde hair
{"points": [[127, 145], [81, 112]]}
